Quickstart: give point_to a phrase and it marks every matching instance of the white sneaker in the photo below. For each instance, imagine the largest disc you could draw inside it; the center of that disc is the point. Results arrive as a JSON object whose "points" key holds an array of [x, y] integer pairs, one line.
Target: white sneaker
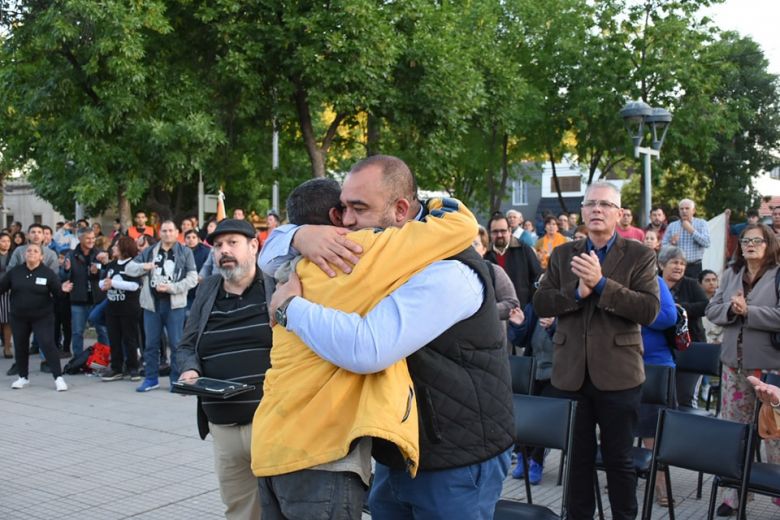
{"points": [[20, 383], [60, 384]]}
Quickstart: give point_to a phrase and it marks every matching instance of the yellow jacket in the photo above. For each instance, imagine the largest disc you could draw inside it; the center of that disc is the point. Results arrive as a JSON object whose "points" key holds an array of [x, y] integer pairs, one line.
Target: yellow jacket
{"points": [[312, 410]]}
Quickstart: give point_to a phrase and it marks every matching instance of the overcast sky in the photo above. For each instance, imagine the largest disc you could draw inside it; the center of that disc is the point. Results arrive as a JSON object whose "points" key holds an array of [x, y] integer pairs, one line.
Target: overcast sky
{"points": [[755, 18]]}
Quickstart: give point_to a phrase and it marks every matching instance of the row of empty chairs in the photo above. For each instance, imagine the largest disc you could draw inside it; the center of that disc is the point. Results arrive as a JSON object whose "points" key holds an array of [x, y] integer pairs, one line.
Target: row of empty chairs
{"points": [[687, 438]]}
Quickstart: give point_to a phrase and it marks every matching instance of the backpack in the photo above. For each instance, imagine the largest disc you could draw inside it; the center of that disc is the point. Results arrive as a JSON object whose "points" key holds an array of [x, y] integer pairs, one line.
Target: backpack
{"points": [[678, 337], [78, 364]]}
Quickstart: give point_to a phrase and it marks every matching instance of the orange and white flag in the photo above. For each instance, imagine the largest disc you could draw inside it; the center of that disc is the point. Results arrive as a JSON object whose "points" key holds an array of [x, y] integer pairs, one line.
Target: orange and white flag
{"points": [[221, 213]]}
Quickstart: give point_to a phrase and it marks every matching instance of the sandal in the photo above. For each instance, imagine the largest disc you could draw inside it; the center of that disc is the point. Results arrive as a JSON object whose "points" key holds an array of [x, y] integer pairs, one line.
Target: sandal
{"points": [[661, 497]]}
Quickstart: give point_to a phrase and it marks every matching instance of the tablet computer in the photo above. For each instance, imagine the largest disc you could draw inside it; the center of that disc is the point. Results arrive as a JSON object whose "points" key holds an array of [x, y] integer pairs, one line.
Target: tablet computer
{"points": [[208, 387]]}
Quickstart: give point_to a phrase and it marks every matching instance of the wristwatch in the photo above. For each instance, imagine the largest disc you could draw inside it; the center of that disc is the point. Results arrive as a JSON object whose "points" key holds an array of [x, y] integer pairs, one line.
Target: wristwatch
{"points": [[280, 314]]}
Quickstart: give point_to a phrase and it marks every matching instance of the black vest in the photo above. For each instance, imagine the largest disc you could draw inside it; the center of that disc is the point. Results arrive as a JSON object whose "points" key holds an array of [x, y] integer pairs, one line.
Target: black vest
{"points": [[464, 393]]}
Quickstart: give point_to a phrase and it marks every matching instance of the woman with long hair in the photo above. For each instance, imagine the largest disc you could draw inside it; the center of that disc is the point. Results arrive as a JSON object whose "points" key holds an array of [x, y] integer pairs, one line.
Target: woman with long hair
{"points": [[5, 302], [746, 306]]}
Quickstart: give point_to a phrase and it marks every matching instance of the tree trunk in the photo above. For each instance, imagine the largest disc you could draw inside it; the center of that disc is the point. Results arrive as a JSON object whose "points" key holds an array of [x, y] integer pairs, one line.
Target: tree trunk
{"points": [[125, 214], [372, 137], [316, 157], [557, 186]]}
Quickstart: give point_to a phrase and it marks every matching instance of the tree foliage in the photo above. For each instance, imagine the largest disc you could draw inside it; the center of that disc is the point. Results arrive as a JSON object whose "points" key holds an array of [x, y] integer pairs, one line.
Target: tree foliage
{"points": [[129, 103]]}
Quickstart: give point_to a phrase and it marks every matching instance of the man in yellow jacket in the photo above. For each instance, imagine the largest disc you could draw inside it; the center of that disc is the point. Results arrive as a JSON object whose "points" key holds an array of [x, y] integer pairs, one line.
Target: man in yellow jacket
{"points": [[311, 433]]}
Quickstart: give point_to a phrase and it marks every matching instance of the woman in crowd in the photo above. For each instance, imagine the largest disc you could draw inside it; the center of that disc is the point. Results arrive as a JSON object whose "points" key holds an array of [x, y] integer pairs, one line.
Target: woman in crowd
{"points": [[652, 241], [506, 297], [529, 227], [657, 352], [746, 306], [18, 239], [34, 288], [5, 302], [688, 293], [551, 239], [122, 311]]}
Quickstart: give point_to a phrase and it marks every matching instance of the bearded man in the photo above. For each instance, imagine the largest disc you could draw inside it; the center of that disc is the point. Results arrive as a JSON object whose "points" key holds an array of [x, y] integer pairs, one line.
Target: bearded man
{"points": [[227, 336]]}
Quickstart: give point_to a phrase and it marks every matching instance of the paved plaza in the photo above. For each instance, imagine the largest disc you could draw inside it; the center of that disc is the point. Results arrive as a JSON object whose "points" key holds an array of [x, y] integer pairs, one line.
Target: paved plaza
{"points": [[102, 451]]}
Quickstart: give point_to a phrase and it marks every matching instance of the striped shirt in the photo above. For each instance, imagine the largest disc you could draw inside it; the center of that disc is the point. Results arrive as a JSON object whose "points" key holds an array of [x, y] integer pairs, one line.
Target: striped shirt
{"points": [[236, 345]]}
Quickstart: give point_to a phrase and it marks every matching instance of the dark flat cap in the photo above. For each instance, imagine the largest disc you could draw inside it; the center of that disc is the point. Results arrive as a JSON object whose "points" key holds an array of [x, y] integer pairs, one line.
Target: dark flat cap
{"points": [[232, 225]]}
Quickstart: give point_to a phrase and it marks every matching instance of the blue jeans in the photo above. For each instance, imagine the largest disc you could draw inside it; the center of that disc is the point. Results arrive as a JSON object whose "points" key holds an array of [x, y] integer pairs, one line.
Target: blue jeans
{"points": [[173, 321], [79, 314], [465, 492]]}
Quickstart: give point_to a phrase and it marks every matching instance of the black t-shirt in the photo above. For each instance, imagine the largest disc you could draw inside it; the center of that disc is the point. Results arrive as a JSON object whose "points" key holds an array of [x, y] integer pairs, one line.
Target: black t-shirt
{"points": [[122, 302], [32, 292], [164, 267]]}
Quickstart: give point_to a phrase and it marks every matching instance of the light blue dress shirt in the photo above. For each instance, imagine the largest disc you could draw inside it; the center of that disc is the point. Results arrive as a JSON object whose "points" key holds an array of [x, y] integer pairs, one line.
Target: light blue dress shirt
{"points": [[406, 320]]}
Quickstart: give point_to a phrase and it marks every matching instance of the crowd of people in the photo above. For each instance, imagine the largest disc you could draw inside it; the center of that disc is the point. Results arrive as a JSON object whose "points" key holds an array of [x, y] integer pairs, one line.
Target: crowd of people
{"points": [[377, 326]]}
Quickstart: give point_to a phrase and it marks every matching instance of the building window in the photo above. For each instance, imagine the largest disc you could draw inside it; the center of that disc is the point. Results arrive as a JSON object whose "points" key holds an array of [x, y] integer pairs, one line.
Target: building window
{"points": [[9, 219], [568, 183], [38, 219], [519, 193]]}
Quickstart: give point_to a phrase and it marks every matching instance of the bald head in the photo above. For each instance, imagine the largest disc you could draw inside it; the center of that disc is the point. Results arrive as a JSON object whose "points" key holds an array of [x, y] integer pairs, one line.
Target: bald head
{"points": [[396, 175]]}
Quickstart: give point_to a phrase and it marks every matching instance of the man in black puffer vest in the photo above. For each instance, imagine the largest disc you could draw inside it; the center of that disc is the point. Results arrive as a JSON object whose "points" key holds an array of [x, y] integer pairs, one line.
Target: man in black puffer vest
{"points": [[445, 322]]}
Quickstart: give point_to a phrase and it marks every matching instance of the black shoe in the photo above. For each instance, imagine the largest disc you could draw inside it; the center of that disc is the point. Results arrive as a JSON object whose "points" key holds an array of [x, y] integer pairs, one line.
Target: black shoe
{"points": [[110, 375], [13, 371], [64, 355], [134, 375], [34, 350], [45, 368], [725, 510], [165, 370]]}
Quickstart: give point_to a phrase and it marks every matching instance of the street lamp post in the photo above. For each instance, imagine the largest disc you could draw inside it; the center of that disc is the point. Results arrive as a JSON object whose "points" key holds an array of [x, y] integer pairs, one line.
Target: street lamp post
{"points": [[639, 117]]}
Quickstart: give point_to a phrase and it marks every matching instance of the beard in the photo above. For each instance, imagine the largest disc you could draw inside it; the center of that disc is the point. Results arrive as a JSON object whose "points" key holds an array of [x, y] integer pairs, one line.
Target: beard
{"points": [[233, 274], [500, 242]]}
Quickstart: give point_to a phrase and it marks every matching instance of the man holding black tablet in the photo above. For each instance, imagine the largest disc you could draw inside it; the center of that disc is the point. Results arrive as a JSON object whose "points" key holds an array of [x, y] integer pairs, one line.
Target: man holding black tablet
{"points": [[227, 337]]}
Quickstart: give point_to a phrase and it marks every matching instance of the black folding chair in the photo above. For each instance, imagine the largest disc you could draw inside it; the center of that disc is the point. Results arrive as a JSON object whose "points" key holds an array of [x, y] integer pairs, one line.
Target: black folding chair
{"points": [[522, 370], [658, 389], [546, 422], [702, 359], [764, 477], [704, 444]]}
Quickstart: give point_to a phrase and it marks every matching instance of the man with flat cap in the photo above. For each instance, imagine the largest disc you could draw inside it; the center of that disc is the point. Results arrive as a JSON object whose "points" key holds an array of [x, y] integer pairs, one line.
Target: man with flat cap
{"points": [[227, 336]]}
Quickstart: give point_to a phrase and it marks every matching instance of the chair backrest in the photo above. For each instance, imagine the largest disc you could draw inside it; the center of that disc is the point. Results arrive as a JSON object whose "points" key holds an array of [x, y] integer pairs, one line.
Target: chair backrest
{"points": [[546, 422], [700, 358], [659, 385], [522, 370], [704, 444], [772, 379]]}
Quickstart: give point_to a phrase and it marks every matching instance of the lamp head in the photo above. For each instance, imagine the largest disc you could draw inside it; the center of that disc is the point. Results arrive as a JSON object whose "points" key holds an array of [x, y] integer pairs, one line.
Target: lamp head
{"points": [[659, 121], [634, 114]]}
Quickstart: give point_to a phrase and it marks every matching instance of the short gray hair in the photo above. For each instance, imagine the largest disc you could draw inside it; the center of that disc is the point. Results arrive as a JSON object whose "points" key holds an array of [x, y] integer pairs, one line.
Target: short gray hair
{"points": [[670, 253], [693, 204], [604, 184]]}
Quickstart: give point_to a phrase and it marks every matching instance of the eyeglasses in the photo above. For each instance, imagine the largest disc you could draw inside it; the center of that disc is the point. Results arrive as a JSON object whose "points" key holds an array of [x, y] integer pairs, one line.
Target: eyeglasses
{"points": [[603, 204], [756, 241], [498, 231]]}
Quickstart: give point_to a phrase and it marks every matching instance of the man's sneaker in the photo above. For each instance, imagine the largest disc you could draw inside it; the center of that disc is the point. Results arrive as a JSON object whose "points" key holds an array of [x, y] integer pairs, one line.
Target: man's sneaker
{"points": [[110, 375], [535, 473], [13, 371], [134, 376], [518, 471], [45, 367], [60, 384], [148, 384], [20, 383]]}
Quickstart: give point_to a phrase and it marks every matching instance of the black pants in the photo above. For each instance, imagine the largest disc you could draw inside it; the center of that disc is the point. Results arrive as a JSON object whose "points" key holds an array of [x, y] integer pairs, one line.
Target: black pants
{"points": [[43, 328], [616, 413], [692, 269], [62, 328], [123, 336]]}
